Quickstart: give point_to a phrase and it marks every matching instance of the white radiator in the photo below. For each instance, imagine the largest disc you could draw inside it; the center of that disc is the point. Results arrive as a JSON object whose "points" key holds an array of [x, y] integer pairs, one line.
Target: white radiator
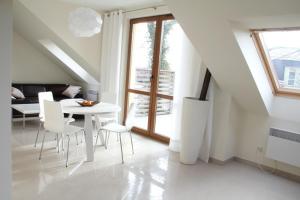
{"points": [[284, 146]]}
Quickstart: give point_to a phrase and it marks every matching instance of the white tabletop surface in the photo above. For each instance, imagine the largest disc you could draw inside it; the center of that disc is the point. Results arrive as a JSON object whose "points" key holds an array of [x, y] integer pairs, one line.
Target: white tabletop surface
{"points": [[70, 106], [32, 108]]}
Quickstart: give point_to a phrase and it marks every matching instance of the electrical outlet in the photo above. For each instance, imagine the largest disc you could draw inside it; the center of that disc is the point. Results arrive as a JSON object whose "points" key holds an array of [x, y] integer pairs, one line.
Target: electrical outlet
{"points": [[260, 149]]}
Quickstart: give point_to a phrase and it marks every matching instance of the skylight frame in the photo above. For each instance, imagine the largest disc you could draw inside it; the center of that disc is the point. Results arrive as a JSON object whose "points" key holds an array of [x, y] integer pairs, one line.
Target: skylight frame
{"points": [[266, 60]]}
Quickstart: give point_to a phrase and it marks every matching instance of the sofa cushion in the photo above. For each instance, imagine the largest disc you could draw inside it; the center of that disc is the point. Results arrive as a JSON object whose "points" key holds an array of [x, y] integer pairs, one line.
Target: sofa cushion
{"points": [[15, 92], [18, 85], [33, 90], [56, 89], [71, 91]]}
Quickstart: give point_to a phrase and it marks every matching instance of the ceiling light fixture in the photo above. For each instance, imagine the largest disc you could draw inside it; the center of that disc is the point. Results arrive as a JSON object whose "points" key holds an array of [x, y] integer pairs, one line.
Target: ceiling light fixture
{"points": [[84, 22]]}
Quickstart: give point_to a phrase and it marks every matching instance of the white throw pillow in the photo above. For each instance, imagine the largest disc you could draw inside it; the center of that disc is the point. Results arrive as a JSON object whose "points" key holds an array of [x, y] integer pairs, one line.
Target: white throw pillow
{"points": [[15, 92], [71, 91]]}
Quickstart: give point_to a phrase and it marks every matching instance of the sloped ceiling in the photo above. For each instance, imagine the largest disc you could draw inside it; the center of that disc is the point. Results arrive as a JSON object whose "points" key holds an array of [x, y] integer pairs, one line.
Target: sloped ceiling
{"points": [[208, 25], [33, 29]]}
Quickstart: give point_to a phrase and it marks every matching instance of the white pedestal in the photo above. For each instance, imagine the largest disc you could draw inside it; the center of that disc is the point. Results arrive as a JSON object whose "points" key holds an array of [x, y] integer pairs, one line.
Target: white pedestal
{"points": [[194, 118]]}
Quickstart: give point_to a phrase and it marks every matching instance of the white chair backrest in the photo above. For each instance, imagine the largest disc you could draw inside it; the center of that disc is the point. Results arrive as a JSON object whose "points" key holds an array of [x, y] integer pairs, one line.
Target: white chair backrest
{"points": [[130, 116], [54, 117], [42, 97]]}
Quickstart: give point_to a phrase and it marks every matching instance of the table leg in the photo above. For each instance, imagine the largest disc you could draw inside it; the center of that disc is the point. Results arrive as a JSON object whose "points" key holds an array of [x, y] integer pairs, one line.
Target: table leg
{"points": [[88, 127], [98, 125], [23, 121]]}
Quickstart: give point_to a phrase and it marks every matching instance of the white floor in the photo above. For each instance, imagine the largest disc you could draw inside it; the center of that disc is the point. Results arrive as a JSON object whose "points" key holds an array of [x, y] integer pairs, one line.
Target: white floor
{"points": [[151, 173]]}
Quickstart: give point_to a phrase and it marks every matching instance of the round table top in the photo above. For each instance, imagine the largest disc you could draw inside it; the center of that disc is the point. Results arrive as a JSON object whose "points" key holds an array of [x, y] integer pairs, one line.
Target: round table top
{"points": [[72, 107]]}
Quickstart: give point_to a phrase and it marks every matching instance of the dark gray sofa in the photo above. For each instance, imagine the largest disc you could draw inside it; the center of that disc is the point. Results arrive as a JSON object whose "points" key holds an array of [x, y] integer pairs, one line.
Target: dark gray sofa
{"points": [[31, 91]]}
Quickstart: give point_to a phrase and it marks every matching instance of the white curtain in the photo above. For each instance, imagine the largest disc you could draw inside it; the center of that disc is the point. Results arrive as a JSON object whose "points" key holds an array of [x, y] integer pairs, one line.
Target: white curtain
{"points": [[189, 76], [111, 56]]}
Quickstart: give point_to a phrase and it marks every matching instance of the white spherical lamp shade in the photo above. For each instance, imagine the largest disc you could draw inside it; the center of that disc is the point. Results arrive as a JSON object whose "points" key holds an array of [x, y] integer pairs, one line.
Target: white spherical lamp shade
{"points": [[85, 22]]}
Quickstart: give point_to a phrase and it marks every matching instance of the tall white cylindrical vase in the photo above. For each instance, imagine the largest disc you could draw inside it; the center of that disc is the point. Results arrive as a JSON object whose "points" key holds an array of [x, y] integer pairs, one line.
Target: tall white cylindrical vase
{"points": [[194, 118]]}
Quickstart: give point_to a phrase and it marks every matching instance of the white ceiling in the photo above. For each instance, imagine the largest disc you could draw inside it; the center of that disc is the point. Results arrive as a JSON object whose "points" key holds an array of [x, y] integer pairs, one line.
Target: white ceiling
{"points": [[104, 5]]}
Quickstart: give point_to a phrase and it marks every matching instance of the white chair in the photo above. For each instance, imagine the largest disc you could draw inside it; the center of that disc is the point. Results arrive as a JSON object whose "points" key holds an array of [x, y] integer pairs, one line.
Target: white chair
{"points": [[120, 129], [49, 97], [54, 123], [103, 119]]}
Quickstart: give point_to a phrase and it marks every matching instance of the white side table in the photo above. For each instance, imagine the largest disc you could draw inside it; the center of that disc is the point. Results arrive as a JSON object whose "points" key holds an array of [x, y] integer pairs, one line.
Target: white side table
{"points": [[26, 109]]}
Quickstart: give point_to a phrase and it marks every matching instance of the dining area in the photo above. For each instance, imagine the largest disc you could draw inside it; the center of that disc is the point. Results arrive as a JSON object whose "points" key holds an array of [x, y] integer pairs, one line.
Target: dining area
{"points": [[78, 122], [101, 178]]}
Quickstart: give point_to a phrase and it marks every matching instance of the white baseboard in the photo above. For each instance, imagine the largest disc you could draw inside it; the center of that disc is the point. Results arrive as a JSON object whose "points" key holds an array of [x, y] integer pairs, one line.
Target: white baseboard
{"points": [[276, 172]]}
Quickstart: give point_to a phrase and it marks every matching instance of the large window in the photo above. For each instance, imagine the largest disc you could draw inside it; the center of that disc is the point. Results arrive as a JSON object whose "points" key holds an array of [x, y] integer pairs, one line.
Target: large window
{"points": [[280, 52], [154, 56]]}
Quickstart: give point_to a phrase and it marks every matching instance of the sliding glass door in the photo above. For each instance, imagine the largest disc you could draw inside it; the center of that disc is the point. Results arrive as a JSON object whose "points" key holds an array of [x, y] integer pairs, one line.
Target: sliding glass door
{"points": [[151, 74]]}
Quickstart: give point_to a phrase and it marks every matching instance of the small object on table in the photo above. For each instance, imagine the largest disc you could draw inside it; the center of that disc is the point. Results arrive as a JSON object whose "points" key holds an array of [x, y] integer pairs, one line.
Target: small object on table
{"points": [[86, 103]]}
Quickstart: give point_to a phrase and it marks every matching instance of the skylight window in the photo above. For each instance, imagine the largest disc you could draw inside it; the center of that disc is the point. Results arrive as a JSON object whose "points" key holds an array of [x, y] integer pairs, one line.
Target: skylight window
{"points": [[280, 52]]}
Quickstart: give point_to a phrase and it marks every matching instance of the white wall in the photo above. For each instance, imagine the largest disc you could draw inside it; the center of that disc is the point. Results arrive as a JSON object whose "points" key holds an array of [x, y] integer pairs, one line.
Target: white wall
{"points": [[30, 65], [254, 62], [238, 133], [54, 15], [5, 119], [217, 30], [283, 111], [285, 115], [207, 24], [254, 133], [286, 108], [226, 126]]}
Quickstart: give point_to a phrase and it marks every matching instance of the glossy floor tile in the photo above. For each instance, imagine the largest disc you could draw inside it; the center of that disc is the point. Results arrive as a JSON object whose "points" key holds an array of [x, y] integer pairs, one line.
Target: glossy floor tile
{"points": [[151, 173]]}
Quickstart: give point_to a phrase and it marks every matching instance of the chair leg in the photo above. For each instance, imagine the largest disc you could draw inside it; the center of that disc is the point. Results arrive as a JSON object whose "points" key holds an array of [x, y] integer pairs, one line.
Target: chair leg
{"points": [[107, 138], [102, 138], [37, 135], [97, 138], [76, 138], [57, 142], [121, 147], [62, 142], [106, 134], [67, 160], [40, 157], [83, 135], [96, 141], [131, 142]]}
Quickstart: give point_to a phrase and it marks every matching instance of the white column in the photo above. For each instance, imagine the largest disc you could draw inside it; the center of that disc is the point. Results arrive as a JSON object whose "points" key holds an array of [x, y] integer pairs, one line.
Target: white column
{"points": [[5, 110], [88, 127]]}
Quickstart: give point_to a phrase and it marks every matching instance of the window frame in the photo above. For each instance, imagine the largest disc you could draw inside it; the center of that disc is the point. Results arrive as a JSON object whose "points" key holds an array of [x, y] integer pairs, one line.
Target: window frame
{"points": [[268, 67]]}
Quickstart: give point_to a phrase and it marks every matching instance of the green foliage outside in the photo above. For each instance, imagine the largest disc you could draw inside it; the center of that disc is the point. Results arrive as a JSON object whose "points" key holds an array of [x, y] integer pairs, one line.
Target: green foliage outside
{"points": [[167, 26]]}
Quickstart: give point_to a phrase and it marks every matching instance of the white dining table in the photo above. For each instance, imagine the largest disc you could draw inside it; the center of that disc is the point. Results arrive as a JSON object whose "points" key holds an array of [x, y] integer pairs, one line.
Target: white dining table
{"points": [[71, 107]]}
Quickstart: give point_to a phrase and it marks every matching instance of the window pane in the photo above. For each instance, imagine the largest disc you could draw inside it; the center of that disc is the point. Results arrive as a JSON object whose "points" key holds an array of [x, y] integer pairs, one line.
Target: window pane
{"points": [[164, 117], [170, 54], [283, 49], [142, 109], [143, 37]]}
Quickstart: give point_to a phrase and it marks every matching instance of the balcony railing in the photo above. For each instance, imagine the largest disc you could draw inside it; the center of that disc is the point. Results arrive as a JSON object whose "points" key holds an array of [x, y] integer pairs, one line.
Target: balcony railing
{"points": [[165, 86]]}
